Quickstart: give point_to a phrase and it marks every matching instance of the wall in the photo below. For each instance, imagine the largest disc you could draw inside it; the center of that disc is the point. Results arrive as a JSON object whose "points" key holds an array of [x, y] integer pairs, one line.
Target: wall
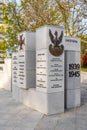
{"points": [[84, 79], [5, 74], [2, 66]]}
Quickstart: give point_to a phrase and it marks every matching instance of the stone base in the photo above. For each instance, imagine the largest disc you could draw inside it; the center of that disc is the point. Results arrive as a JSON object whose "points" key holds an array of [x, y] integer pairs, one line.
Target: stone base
{"points": [[45, 103]]}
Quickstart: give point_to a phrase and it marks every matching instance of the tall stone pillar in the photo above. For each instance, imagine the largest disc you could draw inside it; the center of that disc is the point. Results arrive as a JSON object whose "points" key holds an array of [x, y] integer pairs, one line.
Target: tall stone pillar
{"points": [[72, 72], [26, 60], [50, 67]]}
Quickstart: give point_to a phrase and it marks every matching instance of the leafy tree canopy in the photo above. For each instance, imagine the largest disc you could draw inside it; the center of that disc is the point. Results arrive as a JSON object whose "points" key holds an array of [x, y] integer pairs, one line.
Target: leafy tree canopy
{"points": [[31, 14]]}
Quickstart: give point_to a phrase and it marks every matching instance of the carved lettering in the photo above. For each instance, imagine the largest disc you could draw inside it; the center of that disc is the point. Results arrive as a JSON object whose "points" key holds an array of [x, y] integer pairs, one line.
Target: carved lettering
{"points": [[74, 70]]}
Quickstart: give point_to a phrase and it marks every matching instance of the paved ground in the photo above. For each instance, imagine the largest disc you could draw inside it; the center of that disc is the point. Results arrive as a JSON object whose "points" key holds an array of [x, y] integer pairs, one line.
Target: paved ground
{"points": [[75, 119], [15, 116]]}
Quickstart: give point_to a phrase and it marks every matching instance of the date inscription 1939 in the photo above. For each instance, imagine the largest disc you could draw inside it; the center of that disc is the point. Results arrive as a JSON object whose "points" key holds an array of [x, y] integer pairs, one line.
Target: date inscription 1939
{"points": [[74, 70]]}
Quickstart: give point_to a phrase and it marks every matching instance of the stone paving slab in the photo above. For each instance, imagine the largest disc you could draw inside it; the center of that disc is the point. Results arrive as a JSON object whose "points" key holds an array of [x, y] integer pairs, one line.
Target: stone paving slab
{"points": [[74, 119], [16, 116]]}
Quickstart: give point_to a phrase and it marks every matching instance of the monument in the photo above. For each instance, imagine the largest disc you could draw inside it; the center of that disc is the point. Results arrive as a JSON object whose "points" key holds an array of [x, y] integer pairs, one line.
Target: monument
{"points": [[48, 74], [72, 72]]}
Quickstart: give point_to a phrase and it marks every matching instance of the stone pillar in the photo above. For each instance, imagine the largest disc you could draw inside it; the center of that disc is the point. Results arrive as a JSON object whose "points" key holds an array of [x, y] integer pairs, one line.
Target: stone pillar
{"points": [[26, 60], [72, 72], [50, 67]]}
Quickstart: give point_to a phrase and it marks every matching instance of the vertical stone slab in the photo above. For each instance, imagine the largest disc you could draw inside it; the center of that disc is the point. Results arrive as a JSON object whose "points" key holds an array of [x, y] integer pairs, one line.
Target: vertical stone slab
{"points": [[26, 65], [50, 66], [72, 72]]}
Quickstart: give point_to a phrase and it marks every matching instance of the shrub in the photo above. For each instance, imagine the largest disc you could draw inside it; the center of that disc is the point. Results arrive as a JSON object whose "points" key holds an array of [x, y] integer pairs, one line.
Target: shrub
{"points": [[84, 61]]}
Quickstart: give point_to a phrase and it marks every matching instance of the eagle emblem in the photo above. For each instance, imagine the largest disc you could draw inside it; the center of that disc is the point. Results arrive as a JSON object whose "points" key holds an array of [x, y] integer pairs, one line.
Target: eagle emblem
{"points": [[55, 48], [21, 42]]}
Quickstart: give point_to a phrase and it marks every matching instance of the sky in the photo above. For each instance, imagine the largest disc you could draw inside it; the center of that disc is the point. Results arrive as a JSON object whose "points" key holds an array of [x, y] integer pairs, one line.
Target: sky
{"points": [[18, 1]]}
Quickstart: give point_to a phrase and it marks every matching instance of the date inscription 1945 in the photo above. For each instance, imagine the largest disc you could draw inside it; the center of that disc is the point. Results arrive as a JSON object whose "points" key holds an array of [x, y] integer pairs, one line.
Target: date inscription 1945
{"points": [[74, 70]]}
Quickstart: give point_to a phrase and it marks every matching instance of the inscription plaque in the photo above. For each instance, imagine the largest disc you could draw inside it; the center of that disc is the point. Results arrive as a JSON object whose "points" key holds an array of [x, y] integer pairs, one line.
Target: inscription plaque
{"points": [[41, 69], [15, 68], [56, 73], [22, 69]]}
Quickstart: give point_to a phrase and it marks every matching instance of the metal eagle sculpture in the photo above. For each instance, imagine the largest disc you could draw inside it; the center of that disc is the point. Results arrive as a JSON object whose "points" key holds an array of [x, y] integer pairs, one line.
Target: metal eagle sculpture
{"points": [[21, 42], [55, 48]]}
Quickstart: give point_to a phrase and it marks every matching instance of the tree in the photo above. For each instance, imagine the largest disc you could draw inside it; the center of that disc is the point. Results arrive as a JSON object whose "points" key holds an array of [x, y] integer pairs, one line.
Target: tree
{"points": [[32, 14], [83, 44], [37, 13], [2, 33], [14, 24], [27, 17], [84, 61], [75, 24], [70, 14]]}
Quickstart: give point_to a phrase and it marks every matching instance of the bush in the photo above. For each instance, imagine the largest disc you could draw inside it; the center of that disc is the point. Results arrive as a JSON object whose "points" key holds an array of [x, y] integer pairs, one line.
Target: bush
{"points": [[84, 61]]}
